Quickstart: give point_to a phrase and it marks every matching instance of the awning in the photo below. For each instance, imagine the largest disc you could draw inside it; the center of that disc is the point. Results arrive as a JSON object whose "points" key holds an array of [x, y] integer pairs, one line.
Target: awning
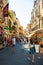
{"points": [[6, 28], [30, 35]]}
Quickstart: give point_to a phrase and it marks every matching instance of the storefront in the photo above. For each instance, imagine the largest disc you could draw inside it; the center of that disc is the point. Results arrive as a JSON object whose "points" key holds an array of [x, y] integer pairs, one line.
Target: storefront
{"points": [[1, 37]]}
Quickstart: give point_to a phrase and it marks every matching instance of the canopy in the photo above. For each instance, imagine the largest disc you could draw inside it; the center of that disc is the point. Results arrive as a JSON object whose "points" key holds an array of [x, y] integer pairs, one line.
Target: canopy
{"points": [[38, 32], [31, 35]]}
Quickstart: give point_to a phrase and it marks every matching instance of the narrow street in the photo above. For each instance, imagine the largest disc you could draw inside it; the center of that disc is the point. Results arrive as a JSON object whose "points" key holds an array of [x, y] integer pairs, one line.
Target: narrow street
{"points": [[21, 23], [9, 56]]}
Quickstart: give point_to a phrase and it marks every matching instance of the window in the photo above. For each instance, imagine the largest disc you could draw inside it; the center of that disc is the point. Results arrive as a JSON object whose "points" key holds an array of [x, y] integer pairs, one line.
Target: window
{"points": [[32, 17], [36, 12]]}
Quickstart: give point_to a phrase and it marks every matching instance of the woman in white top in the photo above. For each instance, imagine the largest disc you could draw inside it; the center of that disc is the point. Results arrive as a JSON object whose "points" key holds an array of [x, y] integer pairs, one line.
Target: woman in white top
{"points": [[13, 41], [32, 49]]}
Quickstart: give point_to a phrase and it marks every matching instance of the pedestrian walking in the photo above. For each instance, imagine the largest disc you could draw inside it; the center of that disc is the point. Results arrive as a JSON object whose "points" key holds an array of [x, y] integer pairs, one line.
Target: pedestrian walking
{"points": [[5, 42], [25, 40], [13, 41], [22, 43], [32, 49], [40, 49], [8, 41], [37, 45]]}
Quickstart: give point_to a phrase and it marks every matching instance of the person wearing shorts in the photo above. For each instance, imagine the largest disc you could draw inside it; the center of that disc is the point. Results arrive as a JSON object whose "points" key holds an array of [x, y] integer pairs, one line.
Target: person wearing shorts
{"points": [[32, 49]]}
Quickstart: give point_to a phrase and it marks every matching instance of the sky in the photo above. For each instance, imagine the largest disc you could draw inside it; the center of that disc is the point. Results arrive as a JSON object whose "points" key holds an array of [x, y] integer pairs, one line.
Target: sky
{"points": [[22, 9]]}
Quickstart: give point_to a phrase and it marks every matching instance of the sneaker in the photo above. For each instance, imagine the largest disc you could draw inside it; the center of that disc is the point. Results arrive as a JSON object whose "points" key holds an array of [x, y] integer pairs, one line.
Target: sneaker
{"points": [[32, 61], [29, 58], [38, 57]]}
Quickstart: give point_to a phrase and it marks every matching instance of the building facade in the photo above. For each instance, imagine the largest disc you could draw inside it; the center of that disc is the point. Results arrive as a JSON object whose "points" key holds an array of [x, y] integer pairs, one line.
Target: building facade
{"points": [[28, 28], [37, 15], [1, 12]]}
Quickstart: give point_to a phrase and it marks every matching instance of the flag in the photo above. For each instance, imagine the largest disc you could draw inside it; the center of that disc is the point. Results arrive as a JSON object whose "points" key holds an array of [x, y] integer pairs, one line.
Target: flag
{"points": [[5, 11]]}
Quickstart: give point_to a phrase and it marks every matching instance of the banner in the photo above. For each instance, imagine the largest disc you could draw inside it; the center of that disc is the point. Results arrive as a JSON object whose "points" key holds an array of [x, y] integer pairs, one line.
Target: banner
{"points": [[5, 11]]}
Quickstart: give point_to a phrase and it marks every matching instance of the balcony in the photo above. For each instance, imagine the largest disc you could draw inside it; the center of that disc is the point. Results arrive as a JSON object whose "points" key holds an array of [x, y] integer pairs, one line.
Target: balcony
{"points": [[37, 15], [37, 12], [34, 19]]}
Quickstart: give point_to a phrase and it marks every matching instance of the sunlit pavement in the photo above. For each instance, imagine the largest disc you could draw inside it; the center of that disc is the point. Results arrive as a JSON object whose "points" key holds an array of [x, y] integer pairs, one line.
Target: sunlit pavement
{"points": [[36, 47], [9, 56]]}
